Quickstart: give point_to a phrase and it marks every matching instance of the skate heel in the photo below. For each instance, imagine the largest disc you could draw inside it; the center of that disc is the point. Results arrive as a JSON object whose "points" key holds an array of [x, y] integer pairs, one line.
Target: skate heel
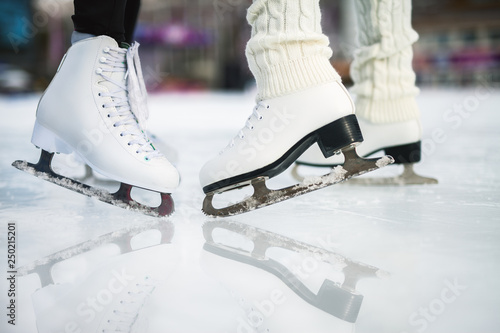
{"points": [[339, 135], [409, 153], [46, 139]]}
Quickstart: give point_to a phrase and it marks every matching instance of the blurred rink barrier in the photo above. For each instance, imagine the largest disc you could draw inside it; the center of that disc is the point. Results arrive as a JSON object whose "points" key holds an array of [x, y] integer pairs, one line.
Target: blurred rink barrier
{"points": [[199, 44]]}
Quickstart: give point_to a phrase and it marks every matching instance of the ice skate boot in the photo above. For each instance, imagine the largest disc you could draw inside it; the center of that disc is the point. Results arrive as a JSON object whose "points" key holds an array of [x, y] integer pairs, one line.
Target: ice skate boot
{"points": [[276, 134], [401, 140], [89, 176], [281, 284], [95, 107], [384, 86]]}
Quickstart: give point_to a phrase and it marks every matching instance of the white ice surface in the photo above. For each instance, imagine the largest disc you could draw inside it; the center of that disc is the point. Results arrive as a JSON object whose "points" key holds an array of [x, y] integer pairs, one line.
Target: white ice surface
{"points": [[427, 238]]}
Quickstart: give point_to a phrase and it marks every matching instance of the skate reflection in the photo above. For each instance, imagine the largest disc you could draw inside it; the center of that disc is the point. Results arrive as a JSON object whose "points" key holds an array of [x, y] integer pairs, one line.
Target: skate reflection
{"points": [[102, 284], [282, 284]]}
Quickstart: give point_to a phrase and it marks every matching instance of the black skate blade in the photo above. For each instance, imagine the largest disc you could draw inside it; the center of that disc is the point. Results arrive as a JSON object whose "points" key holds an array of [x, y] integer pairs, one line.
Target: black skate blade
{"points": [[341, 301], [120, 198], [263, 196]]}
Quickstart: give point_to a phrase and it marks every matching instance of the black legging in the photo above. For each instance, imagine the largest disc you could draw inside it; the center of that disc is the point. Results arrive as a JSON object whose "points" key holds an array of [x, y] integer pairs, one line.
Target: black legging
{"points": [[114, 18]]}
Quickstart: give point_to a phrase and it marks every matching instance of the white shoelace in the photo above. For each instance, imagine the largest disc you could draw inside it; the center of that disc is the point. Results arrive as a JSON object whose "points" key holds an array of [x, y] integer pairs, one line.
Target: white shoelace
{"points": [[137, 92], [131, 111], [248, 124]]}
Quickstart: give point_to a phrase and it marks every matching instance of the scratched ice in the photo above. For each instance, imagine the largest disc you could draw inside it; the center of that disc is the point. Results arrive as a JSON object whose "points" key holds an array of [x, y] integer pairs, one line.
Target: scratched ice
{"points": [[439, 244]]}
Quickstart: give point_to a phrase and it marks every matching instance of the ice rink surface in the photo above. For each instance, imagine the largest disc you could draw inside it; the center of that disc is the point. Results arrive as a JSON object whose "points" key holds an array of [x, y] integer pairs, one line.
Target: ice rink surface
{"points": [[437, 247]]}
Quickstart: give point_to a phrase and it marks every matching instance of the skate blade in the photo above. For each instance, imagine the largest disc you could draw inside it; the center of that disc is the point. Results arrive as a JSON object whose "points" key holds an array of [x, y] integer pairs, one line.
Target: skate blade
{"points": [[341, 301], [263, 196], [121, 238], [408, 177], [120, 198]]}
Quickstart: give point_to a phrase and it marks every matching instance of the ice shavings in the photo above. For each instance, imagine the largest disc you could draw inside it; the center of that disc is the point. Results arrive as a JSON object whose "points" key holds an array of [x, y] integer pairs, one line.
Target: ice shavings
{"points": [[21, 165], [265, 197], [337, 174], [383, 274], [275, 196], [384, 161], [90, 191]]}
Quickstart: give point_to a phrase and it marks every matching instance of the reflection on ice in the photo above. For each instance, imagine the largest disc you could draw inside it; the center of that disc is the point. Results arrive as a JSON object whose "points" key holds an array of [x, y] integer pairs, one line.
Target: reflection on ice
{"points": [[102, 284], [336, 298], [428, 237]]}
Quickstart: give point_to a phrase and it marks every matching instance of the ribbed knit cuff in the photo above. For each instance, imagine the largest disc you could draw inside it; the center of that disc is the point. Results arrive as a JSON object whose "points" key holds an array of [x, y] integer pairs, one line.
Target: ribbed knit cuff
{"points": [[387, 111], [295, 75], [287, 51], [384, 80]]}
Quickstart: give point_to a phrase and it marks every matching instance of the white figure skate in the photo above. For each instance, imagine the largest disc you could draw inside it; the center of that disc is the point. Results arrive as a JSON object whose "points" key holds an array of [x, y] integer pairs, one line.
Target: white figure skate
{"points": [[401, 140], [95, 107], [277, 133]]}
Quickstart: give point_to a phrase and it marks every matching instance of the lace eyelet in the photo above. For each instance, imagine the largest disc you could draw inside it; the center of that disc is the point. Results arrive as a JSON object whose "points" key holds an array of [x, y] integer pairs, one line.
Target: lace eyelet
{"points": [[146, 158], [99, 70], [128, 143], [121, 134], [267, 107], [106, 50], [261, 117], [103, 59], [114, 125], [99, 94], [109, 116]]}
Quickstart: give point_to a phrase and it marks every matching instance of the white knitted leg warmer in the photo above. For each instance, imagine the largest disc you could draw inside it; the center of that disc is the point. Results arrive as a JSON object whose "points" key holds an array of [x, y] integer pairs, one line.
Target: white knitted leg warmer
{"points": [[382, 69], [287, 51]]}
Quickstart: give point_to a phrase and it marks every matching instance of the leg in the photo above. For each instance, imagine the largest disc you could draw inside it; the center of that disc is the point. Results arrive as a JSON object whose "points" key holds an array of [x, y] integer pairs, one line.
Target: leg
{"points": [[384, 86], [382, 68], [97, 18], [300, 101], [131, 15], [116, 19], [287, 51]]}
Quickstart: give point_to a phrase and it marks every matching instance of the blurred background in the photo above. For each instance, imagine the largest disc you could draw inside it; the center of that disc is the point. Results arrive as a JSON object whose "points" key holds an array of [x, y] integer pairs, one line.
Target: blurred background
{"points": [[192, 45]]}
